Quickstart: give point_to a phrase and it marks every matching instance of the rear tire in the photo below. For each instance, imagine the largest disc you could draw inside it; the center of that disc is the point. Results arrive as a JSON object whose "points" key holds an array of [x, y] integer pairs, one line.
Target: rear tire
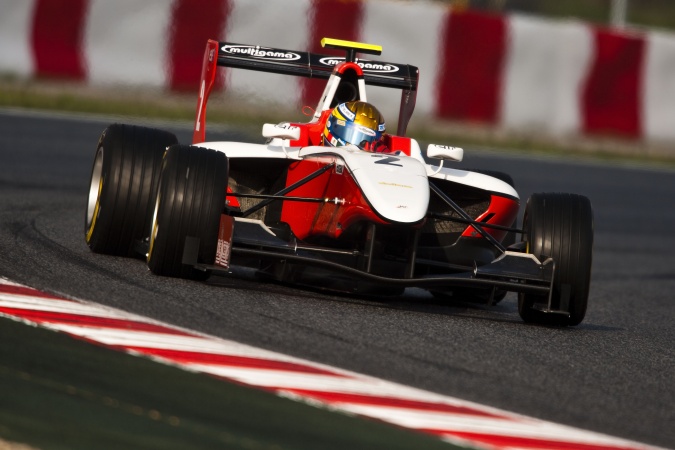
{"points": [[560, 226], [123, 186], [189, 203]]}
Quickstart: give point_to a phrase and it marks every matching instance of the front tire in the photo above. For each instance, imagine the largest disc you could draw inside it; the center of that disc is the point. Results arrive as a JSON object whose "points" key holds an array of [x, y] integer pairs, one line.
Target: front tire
{"points": [[189, 203], [123, 186], [560, 226]]}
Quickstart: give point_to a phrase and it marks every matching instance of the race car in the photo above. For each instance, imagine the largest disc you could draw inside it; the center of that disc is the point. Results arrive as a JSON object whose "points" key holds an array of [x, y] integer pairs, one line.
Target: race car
{"points": [[307, 208]]}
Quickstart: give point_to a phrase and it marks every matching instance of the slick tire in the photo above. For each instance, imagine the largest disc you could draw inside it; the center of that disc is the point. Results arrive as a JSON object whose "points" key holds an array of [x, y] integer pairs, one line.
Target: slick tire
{"points": [[189, 203], [123, 187], [560, 226]]}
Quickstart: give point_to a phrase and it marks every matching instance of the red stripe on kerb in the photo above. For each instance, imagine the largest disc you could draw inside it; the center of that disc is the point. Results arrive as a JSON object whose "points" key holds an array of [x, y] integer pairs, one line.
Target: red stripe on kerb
{"points": [[337, 19], [372, 400], [192, 24], [471, 67], [501, 441], [81, 320], [185, 357], [612, 94], [56, 37], [28, 292]]}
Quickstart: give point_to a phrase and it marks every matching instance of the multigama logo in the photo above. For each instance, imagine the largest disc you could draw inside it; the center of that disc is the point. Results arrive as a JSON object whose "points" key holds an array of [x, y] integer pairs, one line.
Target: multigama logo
{"points": [[367, 66], [260, 52]]}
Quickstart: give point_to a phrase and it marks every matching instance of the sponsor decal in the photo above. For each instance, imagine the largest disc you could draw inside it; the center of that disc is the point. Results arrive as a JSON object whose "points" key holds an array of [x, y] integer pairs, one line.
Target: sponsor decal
{"points": [[211, 53], [380, 127], [366, 66], [285, 126], [388, 160], [224, 247], [395, 185], [223, 253], [255, 51], [367, 131], [346, 112], [340, 122]]}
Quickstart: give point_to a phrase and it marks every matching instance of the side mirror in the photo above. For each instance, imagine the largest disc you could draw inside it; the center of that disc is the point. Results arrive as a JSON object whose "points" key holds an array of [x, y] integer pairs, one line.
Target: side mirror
{"points": [[282, 130], [445, 152]]}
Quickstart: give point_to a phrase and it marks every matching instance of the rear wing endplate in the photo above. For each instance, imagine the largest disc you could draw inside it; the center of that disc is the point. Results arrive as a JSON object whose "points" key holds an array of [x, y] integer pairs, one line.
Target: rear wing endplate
{"points": [[303, 64]]}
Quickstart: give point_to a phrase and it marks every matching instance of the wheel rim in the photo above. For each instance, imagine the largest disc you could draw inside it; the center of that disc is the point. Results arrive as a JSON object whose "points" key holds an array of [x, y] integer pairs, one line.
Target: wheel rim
{"points": [[153, 229], [95, 188]]}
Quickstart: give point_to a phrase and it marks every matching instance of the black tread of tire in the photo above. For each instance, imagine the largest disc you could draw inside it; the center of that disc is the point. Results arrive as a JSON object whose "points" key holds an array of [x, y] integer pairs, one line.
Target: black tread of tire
{"points": [[196, 215], [132, 158], [559, 213]]}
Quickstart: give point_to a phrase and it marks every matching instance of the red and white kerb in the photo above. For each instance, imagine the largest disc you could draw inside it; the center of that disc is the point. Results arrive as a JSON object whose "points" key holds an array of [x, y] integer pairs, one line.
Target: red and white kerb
{"points": [[450, 419]]}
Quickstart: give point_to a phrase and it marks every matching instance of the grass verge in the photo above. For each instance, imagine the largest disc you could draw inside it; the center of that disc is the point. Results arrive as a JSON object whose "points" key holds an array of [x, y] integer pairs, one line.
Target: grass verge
{"points": [[63, 393], [132, 102], [248, 117]]}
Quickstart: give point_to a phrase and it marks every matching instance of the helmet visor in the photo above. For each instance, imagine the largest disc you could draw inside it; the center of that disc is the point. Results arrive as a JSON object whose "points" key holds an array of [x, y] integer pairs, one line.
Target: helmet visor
{"points": [[352, 133]]}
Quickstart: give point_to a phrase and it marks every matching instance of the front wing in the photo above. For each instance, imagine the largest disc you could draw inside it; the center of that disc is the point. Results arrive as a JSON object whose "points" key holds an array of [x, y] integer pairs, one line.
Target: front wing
{"points": [[513, 271]]}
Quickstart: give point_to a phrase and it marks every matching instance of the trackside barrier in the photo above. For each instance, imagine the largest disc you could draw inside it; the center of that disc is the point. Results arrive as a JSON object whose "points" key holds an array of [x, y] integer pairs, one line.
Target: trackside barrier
{"points": [[512, 72]]}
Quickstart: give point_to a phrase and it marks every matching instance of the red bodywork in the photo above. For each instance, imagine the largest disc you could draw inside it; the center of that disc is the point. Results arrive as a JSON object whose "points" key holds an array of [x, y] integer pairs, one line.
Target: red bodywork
{"points": [[209, 68], [345, 203], [502, 211]]}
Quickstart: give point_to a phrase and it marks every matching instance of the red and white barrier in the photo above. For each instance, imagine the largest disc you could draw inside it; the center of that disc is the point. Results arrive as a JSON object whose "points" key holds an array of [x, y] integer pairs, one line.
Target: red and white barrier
{"points": [[545, 73], [448, 418], [516, 72], [659, 87]]}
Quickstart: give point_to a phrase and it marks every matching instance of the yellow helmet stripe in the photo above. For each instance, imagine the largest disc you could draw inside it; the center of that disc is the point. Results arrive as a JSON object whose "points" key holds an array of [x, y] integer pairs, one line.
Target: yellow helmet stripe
{"points": [[336, 113]]}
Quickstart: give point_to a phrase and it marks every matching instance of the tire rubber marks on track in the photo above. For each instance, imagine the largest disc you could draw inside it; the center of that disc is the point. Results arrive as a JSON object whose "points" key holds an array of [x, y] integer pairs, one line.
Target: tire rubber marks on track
{"points": [[448, 418]]}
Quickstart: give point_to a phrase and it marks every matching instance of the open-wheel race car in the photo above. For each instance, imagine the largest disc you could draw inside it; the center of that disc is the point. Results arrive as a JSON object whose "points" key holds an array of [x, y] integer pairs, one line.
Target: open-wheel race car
{"points": [[312, 206]]}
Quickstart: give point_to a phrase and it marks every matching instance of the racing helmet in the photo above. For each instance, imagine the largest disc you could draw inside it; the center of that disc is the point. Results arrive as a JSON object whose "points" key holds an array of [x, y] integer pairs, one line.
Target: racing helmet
{"points": [[357, 123]]}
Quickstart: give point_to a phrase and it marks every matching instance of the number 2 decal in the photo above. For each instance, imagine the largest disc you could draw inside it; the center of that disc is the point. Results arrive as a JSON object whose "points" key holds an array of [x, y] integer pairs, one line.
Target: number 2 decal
{"points": [[389, 160]]}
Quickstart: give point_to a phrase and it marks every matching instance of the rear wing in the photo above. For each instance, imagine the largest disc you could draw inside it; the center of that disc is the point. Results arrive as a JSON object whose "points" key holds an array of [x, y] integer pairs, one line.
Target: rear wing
{"points": [[305, 64]]}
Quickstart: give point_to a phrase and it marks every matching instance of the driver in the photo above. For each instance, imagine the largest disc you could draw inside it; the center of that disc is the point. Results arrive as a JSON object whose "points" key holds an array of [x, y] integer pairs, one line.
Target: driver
{"points": [[357, 123]]}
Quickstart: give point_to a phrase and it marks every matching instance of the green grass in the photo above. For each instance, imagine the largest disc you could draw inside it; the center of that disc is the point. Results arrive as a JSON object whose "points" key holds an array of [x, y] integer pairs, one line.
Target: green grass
{"points": [[126, 101], [62, 393], [640, 13], [132, 104]]}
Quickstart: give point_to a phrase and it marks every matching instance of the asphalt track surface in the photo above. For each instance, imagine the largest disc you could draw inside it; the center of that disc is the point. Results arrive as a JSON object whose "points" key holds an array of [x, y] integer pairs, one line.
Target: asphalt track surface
{"points": [[615, 373]]}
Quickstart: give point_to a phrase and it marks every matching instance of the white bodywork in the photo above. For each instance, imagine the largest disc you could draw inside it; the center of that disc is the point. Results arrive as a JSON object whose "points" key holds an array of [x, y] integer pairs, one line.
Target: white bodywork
{"points": [[395, 185], [474, 179]]}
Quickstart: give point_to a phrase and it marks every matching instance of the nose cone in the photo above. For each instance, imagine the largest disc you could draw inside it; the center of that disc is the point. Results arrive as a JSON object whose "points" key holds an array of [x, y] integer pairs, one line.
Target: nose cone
{"points": [[396, 187]]}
